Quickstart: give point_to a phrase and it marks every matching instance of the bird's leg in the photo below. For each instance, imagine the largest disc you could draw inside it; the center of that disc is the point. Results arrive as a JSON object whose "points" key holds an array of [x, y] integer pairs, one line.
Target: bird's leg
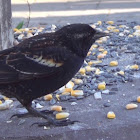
{"points": [[44, 114], [50, 120], [30, 114]]}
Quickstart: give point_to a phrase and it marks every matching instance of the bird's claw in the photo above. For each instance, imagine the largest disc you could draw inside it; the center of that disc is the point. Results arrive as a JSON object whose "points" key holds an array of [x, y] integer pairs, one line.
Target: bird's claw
{"points": [[47, 111], [55, 123], [29, 114], [21, 115]]}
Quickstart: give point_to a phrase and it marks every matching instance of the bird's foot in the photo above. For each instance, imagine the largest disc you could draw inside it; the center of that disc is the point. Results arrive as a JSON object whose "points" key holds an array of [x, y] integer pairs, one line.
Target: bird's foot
{"points": [[21, 115], [28, 114], [55, 123]]}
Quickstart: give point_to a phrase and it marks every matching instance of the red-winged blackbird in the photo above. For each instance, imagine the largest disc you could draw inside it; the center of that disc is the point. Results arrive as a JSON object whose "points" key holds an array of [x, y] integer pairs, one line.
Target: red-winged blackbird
{"points": [[44, 63]]}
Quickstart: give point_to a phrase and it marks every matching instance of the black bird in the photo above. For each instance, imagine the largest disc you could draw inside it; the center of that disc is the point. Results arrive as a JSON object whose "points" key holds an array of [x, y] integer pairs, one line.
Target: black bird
{"points": [[44, 63]]}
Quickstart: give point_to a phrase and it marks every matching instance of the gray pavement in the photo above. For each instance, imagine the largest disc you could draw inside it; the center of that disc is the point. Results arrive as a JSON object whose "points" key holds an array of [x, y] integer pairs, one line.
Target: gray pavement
{"points": [[74, 11]]}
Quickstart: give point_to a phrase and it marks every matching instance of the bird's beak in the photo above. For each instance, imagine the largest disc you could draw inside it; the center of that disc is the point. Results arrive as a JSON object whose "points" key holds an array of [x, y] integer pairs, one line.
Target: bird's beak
{"points": [[99, 34]]}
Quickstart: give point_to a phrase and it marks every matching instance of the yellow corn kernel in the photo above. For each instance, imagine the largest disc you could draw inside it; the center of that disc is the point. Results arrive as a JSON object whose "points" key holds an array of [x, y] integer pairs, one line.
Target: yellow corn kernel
{"points": [[138, 99], [57, 96], [82, 71], [15, 29], [48, 97], [113, 63], [67, 90], [77, 93], [100, 56], [101, 86], [6, 98], [130, 35], [21, 30], [65, 93], [99, 22], [137, 27], [116, 30], [94, 46], [88, 53], [62, 115], [101, 49], [88, 68], [56, 108], [131, 106], [136, 67], [90, 63], [111, 115], [78, 81], [99, 41], [110, 22], [97, 72], [104, 52], [111, 28], [121, 72]]}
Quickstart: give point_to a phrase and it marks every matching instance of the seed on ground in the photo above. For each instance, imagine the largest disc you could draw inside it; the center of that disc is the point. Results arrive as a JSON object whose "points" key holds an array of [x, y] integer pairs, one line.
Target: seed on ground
{"points": [[48, 97], [113, 63], [131, 106], [138, 99], [111, 115], [62, 115], [56, 108]]}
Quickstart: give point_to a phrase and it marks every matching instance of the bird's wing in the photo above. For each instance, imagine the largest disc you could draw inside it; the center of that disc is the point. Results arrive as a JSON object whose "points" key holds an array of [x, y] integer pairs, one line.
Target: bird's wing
{"points": [[33, 64]]}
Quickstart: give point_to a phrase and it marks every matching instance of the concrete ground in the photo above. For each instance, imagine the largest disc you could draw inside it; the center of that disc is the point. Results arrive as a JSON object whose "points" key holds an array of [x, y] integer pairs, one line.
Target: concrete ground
{"points": [[74, 11], [90, 112]]}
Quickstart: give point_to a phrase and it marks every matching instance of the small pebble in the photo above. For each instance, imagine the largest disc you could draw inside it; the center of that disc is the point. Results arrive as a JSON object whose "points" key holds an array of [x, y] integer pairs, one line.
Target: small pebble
{"points": [[105, 91], [38, 106], [97, 96], [62, 89], [121, 34], [73, 103], [22, 121], [79, 97], [20, 37], [52, 101], [107, 104], [6, 105]]}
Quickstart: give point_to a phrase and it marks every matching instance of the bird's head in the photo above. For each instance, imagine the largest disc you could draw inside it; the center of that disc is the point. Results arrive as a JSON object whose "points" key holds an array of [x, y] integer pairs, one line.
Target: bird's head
{"points": [[80, 37]]}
